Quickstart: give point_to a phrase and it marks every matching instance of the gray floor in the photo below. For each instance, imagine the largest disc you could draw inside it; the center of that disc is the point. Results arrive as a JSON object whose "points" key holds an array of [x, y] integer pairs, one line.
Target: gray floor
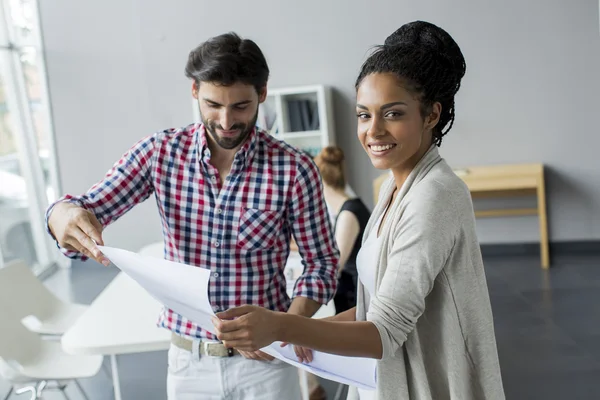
{"points": [[547, 328]]}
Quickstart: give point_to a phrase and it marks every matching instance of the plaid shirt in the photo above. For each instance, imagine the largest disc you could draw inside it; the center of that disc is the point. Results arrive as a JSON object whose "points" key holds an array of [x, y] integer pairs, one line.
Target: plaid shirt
{"points": [[240, 229]]}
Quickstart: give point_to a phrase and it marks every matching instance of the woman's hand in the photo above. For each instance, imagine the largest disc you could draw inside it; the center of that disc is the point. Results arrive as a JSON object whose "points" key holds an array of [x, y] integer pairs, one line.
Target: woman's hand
{"points": [[247, 328]]}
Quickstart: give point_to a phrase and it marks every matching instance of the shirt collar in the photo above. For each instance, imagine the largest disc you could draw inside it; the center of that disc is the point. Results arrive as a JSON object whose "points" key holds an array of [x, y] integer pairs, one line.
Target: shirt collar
{"points": [[243, 156]]}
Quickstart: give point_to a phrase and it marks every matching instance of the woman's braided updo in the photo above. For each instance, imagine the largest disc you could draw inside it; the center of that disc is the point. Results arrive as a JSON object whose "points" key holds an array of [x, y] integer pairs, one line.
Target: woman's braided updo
{"points": [[428, 63]]}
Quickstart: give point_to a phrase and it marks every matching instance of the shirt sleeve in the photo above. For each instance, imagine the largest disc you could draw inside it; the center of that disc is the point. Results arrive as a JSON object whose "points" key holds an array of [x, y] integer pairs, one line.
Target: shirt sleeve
{"points": [[313, 233], [126, 184], [421, 244]]}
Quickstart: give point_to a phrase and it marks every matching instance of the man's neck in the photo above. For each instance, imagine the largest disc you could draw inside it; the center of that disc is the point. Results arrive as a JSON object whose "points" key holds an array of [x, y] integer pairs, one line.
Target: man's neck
{"points": [[221, 158]]}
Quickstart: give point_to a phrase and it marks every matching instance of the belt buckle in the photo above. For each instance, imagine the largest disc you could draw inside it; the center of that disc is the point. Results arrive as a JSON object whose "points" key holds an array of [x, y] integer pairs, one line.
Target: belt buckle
{"points": [[204, 346]]}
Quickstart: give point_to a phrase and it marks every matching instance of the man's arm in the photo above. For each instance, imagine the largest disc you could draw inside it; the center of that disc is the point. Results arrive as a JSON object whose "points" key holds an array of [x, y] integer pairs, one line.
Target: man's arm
{"points": [[312, 232], [76, 222], [304, 306], [345, 237]]}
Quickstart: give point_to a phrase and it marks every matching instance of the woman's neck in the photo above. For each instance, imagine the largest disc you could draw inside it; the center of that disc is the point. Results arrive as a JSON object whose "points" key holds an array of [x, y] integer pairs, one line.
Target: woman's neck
{"points": [[335, 198], [402, 172]]}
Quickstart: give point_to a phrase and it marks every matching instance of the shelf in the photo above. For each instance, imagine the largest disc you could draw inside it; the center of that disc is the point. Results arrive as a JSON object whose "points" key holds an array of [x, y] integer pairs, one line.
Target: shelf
{"points": [[301, 116], [294, 90]]}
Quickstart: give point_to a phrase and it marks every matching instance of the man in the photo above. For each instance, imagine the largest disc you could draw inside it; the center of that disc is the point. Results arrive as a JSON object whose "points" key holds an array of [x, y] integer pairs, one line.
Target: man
{"points": [[230, 198]]}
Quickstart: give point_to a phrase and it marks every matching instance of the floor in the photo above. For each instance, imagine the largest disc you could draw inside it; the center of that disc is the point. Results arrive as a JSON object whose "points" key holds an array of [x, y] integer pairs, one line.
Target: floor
{"points": [[547, 328]]}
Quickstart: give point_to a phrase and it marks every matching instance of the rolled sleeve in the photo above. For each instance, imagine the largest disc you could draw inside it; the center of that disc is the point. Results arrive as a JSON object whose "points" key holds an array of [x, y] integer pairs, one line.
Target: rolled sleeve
{"points": [[313, 233]]}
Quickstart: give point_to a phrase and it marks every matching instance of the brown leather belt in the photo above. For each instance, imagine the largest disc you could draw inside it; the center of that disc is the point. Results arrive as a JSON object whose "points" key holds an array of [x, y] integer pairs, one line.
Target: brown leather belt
{"points": [[211, 349]]}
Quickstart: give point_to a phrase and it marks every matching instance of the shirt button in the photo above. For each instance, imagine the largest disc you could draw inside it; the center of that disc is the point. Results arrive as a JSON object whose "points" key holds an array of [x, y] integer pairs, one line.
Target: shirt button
{"points": [[219, 211], [215, 274], [213, 178], [217, 244]]}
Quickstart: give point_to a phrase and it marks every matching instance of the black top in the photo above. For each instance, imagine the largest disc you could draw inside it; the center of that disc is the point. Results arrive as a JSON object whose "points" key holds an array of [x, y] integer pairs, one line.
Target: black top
{"points": [[362, 214]]}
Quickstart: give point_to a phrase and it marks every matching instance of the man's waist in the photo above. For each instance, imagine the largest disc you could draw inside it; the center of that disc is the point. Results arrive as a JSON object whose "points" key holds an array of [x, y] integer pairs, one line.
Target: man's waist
{"points": [[204, 347]]}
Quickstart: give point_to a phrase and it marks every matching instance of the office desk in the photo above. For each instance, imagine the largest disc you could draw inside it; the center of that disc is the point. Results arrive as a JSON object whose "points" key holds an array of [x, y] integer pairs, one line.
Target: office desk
{"points": [[497, 181], [121, 320]]}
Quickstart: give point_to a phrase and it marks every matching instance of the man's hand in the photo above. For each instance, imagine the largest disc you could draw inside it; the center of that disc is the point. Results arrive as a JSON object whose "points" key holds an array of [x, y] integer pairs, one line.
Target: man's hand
{"points": [[74, 228], [247, 328]]}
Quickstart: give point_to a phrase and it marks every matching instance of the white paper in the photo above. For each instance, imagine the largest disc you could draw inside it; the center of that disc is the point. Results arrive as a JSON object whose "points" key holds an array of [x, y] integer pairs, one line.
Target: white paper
{"points": [[355, 371], [184, 289], [180, 287]]}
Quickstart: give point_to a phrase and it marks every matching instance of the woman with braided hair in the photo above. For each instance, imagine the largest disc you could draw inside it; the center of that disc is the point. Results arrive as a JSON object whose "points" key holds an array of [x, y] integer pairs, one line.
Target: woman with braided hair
{"points": [[423, 308]]}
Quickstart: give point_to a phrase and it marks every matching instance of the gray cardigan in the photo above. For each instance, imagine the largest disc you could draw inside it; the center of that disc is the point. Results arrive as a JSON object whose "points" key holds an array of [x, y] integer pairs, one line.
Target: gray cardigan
{"points": [[432, 306]]}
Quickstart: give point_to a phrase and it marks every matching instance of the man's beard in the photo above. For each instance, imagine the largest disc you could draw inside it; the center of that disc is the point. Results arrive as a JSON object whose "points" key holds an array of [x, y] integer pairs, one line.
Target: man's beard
{"points": [[229, 142]]}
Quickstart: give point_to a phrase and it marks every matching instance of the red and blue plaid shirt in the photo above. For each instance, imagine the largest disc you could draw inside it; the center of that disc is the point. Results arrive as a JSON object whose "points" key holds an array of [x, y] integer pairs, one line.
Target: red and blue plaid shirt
{"points": [[240, 229]]}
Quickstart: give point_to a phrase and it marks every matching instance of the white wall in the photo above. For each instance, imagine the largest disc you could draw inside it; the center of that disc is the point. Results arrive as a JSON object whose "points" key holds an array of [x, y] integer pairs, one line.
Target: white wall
{"points": [[530, 94], [100, 99]]}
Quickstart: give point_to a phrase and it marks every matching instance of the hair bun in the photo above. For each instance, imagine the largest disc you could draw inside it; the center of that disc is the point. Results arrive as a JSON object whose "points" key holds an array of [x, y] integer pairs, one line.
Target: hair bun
{"points": [[433, 38], [332, 155], [330, 163]]}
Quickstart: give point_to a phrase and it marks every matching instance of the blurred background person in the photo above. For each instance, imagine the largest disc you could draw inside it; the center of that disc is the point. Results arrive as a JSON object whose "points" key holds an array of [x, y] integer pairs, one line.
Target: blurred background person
{"points": [[350, 219]]}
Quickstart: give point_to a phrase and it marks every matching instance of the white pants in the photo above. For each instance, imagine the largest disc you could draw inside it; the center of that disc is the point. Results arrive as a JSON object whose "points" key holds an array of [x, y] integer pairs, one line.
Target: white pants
{"points": [[192, 377]]}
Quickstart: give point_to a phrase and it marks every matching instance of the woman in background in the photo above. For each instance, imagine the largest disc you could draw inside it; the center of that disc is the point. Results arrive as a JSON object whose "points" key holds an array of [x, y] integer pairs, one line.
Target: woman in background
{"points": [[351, 217]]}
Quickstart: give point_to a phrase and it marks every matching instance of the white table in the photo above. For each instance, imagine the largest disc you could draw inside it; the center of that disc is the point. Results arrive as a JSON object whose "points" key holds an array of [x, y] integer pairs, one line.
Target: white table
{"points": [[121, 320]]}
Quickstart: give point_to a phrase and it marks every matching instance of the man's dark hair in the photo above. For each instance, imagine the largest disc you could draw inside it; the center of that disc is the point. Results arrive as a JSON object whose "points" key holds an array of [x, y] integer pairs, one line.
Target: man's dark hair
{"points": [[428, 63], [227, 59]]}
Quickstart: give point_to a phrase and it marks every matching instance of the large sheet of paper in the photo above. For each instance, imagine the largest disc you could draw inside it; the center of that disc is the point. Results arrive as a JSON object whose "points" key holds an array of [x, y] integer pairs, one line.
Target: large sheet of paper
{"points": [[355, 371], [184, 289]]}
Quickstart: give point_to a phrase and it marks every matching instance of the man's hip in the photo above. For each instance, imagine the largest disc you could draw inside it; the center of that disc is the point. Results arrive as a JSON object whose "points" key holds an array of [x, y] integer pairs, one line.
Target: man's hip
{"points": [[194, 374], [203, 347]]}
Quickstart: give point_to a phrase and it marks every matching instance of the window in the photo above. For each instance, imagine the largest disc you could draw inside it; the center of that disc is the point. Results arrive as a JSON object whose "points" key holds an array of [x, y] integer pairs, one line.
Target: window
{"points": [[28, 173]]}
